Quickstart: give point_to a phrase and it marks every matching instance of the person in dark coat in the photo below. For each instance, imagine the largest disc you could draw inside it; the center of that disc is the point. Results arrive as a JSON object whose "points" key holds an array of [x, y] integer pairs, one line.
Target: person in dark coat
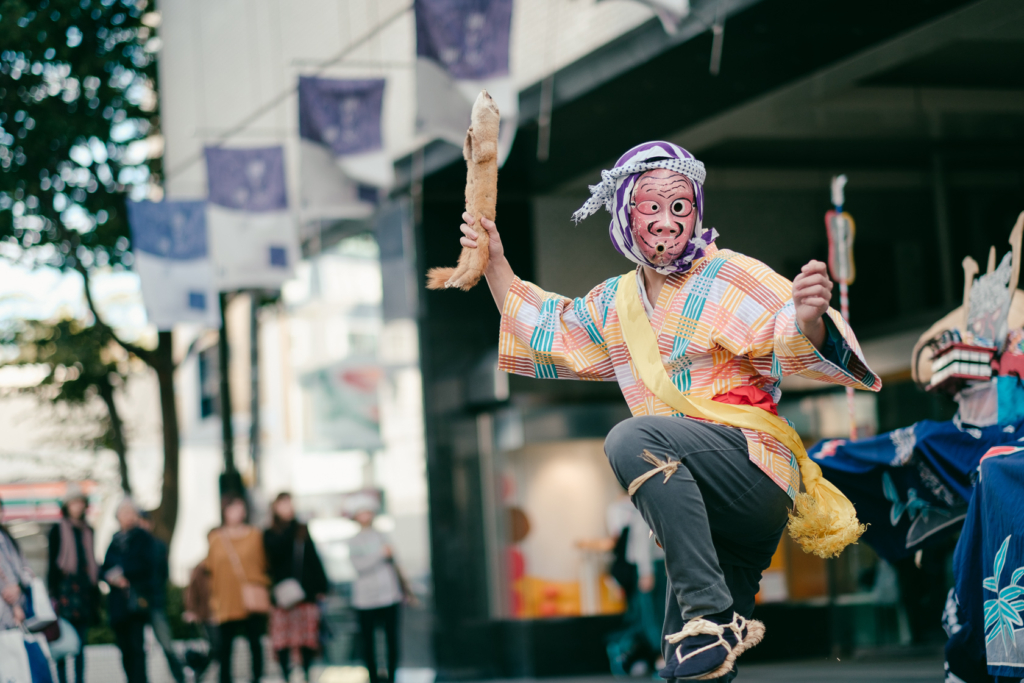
{"points": [[128, 570], [158, 609], [73, 574], [292, 557]]}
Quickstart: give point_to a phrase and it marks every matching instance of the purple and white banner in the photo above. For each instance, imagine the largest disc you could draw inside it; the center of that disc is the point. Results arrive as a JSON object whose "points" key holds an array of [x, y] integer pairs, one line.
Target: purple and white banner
{"points": [[172, 261], [253, 241], [343, 165], [462, 47]]}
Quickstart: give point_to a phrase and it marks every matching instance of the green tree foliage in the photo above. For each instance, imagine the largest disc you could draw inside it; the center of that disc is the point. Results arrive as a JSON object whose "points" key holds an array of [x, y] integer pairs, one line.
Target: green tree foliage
{"points": [[77, 105], [84, 364], [77, 89]]}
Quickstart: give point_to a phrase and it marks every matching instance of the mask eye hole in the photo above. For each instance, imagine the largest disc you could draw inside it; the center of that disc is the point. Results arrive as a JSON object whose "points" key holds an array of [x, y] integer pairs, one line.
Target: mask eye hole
{"points": [[649, 207], [682, 207]]}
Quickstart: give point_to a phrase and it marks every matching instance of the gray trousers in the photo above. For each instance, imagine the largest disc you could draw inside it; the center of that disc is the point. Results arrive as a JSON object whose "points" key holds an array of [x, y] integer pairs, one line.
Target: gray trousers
{"points": [[719, 517]]}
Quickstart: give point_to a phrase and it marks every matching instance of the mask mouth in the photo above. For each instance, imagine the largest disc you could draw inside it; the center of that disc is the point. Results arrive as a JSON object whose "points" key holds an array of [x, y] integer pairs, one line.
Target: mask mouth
{"points": [[660, 249]]}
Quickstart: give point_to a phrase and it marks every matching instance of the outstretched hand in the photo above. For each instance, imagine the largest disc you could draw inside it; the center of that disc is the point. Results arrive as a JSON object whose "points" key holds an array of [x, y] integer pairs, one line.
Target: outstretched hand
{"points": [[812, 291]]}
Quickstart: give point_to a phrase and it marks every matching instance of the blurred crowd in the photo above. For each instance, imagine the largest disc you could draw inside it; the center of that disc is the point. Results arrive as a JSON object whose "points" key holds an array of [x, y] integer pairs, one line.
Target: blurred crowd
{"points": [[255, 584]]}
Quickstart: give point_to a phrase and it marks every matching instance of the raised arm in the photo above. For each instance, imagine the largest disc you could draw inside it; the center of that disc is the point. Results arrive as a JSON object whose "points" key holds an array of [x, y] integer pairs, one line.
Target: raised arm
{"points": [[787, 328], [498, 273], [543, 335]]}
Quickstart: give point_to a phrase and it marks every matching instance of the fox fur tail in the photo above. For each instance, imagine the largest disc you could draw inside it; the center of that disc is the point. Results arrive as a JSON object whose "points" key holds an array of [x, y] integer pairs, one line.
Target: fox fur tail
{"points": [[437, 278], [472, 263]]}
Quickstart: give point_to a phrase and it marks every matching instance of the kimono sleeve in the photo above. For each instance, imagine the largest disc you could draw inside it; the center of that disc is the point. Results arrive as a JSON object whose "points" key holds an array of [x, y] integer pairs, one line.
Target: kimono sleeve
{"points": [[549, 336], [840, 361], [763, 326]]}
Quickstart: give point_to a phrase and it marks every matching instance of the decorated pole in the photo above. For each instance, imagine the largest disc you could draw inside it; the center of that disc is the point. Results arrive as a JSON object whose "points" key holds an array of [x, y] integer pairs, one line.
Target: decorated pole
{"points": [[841, 231]]}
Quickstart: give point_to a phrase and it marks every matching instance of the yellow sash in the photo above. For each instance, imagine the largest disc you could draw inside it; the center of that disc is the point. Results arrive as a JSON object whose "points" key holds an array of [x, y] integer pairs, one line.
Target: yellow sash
{"points": [[823, 520]]}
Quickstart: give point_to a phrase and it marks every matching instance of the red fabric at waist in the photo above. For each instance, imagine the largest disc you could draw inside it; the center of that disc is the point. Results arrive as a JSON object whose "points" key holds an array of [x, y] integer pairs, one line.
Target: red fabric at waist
{"points": [[749, 396]]}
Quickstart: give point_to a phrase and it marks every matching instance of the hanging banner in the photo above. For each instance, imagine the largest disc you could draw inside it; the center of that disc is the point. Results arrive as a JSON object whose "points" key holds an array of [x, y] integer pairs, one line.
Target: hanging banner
{"points": [[344, 167], [172, 261], [462, 47], [253, 242]]}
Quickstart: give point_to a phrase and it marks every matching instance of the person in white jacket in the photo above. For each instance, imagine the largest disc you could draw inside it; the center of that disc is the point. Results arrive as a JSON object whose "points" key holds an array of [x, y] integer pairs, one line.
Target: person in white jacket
{"points": [[377, 591], [14, 573]]}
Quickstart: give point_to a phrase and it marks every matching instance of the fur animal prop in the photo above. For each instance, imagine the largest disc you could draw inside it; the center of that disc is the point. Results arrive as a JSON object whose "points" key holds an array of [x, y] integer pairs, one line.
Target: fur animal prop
{"points": [[481, 153]]}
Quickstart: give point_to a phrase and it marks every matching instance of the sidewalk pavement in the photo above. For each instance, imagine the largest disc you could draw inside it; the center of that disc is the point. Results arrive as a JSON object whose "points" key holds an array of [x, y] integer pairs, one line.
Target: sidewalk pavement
{"points": [[103, 664], [888, 669]]}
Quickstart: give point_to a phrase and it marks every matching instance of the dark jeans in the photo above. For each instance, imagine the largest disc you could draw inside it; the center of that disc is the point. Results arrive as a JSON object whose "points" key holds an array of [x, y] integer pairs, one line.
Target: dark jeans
{"points": [[252, 628], [284, 658], [719, 517], [131, 641], [369, 621], [82, 629]]}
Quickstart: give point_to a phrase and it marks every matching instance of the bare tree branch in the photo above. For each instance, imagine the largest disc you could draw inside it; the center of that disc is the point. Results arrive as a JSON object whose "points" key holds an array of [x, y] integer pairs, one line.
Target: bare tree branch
{"points": [[193, 348], [147, 356]]}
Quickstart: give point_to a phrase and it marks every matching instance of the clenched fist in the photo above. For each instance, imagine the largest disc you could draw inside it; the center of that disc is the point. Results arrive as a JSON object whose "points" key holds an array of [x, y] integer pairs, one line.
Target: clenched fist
{"points": [[812, 290]]}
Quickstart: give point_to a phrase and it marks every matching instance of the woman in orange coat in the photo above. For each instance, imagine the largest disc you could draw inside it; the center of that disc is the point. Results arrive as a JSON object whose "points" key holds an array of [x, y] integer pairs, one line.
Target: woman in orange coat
{"points": [[238, 584]]}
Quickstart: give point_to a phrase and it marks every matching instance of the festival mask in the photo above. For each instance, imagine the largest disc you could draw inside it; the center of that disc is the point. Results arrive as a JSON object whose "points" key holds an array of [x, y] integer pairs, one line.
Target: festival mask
{"points": [[662, 215]]}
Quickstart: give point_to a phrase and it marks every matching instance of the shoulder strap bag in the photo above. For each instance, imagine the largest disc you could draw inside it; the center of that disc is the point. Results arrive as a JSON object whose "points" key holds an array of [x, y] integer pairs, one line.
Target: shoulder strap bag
{"points": [[289, 592], [255, 596]]}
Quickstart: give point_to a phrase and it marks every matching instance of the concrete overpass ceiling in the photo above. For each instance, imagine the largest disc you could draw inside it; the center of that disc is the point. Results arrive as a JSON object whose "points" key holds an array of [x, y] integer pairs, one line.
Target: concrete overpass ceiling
{"points": [[769, 47], [953, 85], [996, 63]]}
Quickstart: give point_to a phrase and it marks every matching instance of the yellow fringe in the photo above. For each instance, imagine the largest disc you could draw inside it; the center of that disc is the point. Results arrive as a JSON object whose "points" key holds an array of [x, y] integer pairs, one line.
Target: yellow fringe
{"points": [[821, 531]]}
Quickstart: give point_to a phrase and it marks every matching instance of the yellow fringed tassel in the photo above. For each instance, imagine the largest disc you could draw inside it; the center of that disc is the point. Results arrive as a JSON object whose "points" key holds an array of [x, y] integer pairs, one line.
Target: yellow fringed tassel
{"points": [[820, 531], [823, 520]]}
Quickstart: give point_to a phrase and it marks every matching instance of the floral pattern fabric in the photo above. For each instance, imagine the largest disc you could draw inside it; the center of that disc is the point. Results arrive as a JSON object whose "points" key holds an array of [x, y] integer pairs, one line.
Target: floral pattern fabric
{"points": [[987, 628]]}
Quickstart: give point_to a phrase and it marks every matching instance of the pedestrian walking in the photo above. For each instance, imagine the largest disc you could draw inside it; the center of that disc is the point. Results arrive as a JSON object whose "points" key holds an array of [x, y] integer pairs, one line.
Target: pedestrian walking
{"points": [[23, 657], [299, 582], [238, 580], [73, 574], [14, 573], [199, 613], [377, 591], [158, 607], [128, 570]]}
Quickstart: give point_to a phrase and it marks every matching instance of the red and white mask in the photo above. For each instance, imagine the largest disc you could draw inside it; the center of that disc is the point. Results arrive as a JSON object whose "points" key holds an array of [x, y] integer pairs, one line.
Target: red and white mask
{"points": [[663, 215]]}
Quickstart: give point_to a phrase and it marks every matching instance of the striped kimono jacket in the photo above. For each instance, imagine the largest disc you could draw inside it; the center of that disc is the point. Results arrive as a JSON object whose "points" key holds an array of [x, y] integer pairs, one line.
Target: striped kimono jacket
{"points": [[727, 323]]}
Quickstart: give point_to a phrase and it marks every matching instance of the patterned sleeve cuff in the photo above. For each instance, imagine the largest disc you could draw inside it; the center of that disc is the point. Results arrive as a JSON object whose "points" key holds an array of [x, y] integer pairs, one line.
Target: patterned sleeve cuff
{"points": [[838, 361], [835, 349]]}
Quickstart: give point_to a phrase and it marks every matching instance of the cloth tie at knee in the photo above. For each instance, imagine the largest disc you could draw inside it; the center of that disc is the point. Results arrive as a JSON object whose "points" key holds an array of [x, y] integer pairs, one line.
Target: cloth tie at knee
{"points": [[668, 466]]}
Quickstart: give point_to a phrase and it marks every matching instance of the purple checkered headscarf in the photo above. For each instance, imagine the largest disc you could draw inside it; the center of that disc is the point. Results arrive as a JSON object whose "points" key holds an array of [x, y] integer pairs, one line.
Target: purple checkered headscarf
{"points": [[616, 190]]}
